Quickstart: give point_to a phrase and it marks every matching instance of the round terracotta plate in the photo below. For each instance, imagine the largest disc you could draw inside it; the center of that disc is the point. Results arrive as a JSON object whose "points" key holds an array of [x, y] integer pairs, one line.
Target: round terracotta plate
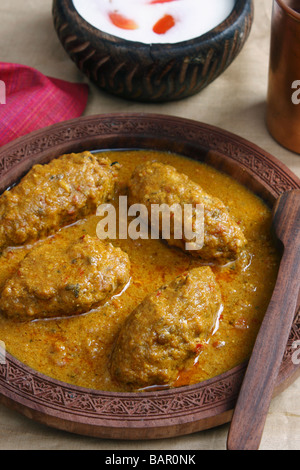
{"points": [[157, 414]]}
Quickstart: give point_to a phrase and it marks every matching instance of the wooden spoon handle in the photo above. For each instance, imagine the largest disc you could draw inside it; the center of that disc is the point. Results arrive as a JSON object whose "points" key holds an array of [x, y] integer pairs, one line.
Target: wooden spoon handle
{"points": [[258, 385]]}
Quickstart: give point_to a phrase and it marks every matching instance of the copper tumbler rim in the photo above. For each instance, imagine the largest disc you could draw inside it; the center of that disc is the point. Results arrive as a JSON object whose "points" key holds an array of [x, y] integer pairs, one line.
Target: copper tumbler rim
{"points": [[290, 11]]}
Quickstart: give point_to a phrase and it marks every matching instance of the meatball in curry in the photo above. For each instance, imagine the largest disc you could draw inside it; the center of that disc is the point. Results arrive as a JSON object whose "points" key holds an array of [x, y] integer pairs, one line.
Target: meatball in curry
{"points": [[54, 195], [166, 330], [63, 276], [157, 183]]}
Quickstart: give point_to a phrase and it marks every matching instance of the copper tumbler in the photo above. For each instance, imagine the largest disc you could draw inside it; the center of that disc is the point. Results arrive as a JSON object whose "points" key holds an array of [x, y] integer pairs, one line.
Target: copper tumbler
{"points": [[283, 99]]}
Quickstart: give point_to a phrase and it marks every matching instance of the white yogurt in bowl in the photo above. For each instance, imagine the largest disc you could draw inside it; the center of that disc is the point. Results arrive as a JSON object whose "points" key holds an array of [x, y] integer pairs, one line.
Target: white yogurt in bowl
{"points": [[155, 21]]}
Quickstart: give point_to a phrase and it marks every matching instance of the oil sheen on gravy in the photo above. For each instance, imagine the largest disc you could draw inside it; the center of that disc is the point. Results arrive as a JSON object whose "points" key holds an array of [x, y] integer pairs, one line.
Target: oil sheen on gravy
{"points": [[76, 350]]}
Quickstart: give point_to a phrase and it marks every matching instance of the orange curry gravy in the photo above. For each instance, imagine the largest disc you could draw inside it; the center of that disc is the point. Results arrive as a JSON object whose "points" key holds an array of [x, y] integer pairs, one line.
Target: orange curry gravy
{"points": [[77, 349]]}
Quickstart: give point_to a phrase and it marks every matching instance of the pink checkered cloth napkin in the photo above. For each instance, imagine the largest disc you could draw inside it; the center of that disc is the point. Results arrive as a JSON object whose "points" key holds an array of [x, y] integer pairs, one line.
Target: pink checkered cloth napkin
{"points": [[30, 100]]}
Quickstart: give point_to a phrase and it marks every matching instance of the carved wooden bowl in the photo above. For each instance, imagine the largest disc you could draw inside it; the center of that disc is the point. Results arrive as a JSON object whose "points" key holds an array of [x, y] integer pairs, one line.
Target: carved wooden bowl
{"points": [[157, 72], [156, 414]]}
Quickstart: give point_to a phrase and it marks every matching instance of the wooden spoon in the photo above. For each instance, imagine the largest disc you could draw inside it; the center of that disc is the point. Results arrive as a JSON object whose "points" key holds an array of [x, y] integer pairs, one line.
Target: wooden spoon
{"points": [[258, 385]]}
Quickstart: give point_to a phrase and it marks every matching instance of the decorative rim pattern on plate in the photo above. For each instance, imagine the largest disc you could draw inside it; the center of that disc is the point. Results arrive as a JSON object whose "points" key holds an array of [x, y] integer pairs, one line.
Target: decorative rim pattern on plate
{"points": [[153, 414]]}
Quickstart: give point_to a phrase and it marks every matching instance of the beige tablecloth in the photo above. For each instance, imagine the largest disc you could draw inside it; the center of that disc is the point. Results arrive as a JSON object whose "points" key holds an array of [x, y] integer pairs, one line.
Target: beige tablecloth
{"points": [[235, 102]]}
